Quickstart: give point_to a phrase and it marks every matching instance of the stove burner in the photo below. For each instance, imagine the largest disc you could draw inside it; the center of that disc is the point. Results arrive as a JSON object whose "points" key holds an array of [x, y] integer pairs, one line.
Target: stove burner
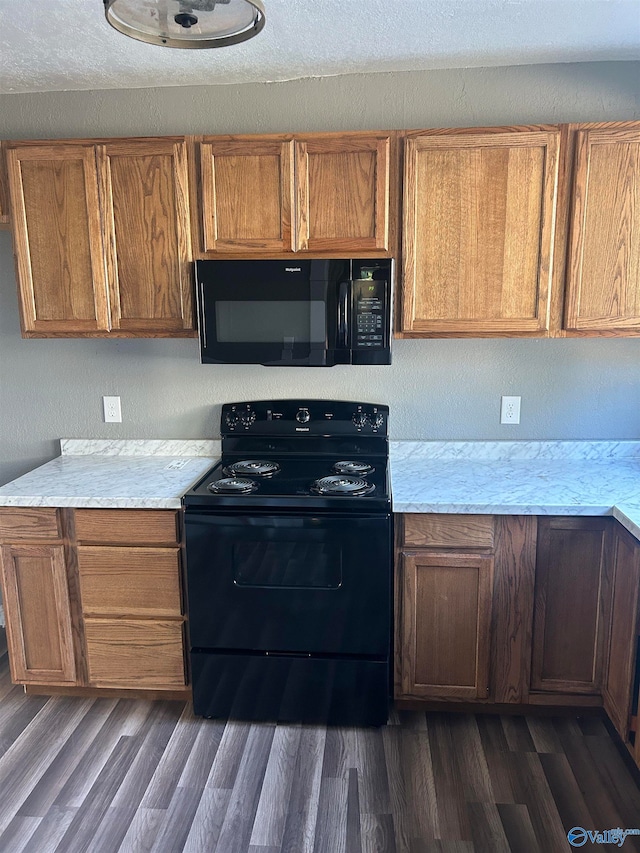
{"points": [[350, 486], [252, 467], [356, 469], [237, 485]]}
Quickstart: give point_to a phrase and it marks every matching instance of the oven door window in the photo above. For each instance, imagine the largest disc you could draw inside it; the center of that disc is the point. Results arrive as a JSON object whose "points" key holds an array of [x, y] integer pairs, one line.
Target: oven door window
{"points": [[305, 565], [316, 583]]}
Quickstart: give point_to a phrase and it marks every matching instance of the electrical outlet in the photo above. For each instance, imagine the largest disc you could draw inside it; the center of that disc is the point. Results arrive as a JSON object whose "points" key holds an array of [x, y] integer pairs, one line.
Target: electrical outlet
{"points": [[112, 410], [510, 410]]}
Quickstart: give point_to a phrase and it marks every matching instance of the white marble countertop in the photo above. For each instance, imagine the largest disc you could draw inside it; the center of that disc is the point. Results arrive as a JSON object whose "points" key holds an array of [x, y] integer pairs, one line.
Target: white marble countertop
{"points": [[483, 477], [519, 478], [125, 474]]}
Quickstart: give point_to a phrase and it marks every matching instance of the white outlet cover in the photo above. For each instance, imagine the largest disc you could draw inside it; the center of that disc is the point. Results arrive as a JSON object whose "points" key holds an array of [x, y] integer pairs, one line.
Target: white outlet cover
{"points": [[510, 410]]}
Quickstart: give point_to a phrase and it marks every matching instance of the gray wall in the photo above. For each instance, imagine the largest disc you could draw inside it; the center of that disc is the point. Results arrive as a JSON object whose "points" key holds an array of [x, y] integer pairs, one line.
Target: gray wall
{"points": [[436, 389]]}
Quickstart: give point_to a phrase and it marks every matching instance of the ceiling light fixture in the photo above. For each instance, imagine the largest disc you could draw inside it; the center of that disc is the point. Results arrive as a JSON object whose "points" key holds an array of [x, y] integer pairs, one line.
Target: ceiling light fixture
{"points": [[187, 23]]}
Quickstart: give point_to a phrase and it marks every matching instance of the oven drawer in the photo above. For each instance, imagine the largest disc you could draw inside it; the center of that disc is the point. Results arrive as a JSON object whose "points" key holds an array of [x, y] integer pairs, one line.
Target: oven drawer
{"points": [[129, 581], [288, 688]]}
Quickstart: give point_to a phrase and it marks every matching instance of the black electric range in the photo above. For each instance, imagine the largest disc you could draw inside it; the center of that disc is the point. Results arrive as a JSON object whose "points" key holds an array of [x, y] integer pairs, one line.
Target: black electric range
{"points": [[289, 556]]}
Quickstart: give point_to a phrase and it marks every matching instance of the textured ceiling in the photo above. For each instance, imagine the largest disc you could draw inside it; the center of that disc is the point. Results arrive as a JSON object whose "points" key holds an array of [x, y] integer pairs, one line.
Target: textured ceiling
{"points": [[67, 44]]}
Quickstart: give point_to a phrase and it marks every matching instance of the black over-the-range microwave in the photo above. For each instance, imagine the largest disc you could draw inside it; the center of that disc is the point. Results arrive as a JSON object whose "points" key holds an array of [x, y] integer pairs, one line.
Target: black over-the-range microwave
{"points": [[311, 312]]}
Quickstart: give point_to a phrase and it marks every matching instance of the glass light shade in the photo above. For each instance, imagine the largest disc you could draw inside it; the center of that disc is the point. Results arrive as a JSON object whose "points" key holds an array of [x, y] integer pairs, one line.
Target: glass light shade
{"points": [[187, 23]]}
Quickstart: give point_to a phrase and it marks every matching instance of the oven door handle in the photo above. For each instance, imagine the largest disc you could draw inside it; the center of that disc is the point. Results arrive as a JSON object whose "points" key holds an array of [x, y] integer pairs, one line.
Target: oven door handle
{"points": [[343, 322]]}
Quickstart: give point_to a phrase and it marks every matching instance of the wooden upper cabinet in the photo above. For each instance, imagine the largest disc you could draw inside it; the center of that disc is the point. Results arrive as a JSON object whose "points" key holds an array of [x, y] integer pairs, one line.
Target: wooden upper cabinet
{"points": [[342, 184], [102, 238], [603, 270], [4, 189], [246, 199], [274, 195], [478, 232], [148, 238], [58, 242]]}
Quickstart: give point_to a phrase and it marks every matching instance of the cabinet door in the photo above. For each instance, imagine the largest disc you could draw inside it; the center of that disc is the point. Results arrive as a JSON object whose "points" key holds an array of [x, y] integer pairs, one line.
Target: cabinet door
{"points": [[58, 239], [479, 211], [621, 651], [37, 610], [571, 607], [146, 213], [246, 194], [4, 190], [342, 185], [603, 273], [446, 617]]}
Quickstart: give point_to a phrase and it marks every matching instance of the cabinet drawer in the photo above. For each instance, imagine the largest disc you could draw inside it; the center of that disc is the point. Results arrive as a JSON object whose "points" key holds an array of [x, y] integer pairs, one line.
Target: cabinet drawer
{"points": [[448, 531], [129, 581], [127, 526], [29, 525], [135, 653]]}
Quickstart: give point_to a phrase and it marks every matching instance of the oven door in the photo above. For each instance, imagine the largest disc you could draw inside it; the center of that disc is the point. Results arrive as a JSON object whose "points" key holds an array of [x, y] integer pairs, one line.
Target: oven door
{"points": [[289, 582]]}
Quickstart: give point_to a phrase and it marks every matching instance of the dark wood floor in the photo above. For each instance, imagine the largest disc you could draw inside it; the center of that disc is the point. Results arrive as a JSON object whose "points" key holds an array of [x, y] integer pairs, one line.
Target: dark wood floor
{"points": [[124, 775]]}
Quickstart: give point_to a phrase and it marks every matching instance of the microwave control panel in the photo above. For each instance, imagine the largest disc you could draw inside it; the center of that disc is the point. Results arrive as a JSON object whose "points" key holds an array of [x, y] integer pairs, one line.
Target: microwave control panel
{"points": [[369, 311]]}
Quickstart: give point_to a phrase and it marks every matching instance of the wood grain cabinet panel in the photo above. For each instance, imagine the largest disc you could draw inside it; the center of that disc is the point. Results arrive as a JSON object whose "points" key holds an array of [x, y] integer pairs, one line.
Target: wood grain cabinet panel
{"points": [[448, 531], [102, 238], [342, 184], [135, 581], [446, 618], [478, 232], [571, 608], [37, 610], [4, 189], [29, 524], [58, 239], [146, 213], [130, 653], [623, 633], [274, 195], [603, 272], [246, 199], [127, 526]]}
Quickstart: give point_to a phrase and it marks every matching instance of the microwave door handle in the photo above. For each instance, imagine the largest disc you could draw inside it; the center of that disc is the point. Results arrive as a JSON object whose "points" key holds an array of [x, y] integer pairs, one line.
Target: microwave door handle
{"points": [[343, 325], [201, 315]]}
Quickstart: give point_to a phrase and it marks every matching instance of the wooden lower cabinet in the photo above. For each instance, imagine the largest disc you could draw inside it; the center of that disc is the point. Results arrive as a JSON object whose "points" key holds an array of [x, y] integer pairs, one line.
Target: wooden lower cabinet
{"points": [[515, 610], [129, 572], [571, 610], [446, 619], [38, 615], [93, 598], [623, 639], [464, 593]]}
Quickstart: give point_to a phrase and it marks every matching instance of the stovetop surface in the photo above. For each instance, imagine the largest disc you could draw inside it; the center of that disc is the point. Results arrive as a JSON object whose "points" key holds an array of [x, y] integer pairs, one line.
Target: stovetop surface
{"points": [[292, 485]]}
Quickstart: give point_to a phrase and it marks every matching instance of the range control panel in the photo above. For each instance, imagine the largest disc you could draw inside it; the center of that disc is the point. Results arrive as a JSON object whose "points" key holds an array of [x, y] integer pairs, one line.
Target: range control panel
{"points": [[310, 417]]}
